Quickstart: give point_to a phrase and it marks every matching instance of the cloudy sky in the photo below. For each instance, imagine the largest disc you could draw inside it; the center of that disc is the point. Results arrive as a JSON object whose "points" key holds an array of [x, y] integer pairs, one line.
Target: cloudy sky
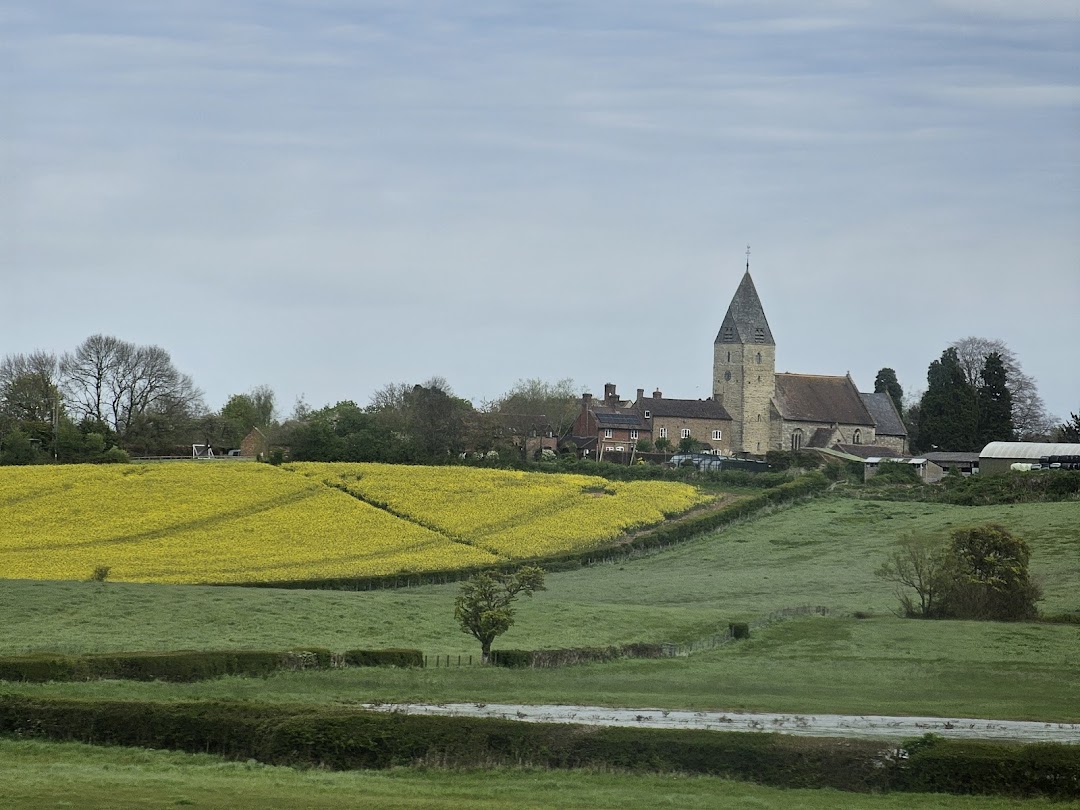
{"points": [[326, 196]]}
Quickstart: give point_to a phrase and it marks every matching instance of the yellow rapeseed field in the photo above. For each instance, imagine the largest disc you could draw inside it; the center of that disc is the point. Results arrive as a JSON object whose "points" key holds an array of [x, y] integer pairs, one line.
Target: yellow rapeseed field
{"points": [[513, 514], [203, 522], [221, 522]]}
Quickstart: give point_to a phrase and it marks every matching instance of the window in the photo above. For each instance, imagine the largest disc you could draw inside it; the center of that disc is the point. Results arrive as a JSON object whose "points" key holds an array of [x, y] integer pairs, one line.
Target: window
{"points": [[759, 358], [857, 437], [716, 435], [729, 334], [796, 440], [607, 433], [759, 335], [663, 433], [648, 415], [729, 357], [685, 433], [727, 376], [633, 434]]}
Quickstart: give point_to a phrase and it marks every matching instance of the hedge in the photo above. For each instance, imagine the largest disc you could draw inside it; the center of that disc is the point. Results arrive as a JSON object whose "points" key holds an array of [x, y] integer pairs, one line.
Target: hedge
{"points": [[342, 738], [538, 659], [186, 666], [668, 533]]}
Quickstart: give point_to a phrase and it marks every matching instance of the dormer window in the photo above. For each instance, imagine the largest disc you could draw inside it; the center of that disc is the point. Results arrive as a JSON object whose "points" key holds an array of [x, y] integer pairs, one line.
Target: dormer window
{"points": [[648, 414]]}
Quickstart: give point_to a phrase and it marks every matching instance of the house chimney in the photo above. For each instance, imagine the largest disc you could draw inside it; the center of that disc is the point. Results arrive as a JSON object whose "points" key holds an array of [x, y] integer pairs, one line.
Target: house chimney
{"points": [[586, 400], [657, 395], [609, 392], [640, 394]]}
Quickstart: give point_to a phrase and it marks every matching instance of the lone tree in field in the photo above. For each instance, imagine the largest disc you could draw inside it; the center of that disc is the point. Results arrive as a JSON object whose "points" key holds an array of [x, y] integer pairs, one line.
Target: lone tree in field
{"points": [[484, 608]]}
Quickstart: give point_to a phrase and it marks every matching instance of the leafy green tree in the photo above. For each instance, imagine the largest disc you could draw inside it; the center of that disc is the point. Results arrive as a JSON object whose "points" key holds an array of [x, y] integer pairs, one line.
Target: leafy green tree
{"points": [[948, 411], [995, 403], [485, 606], [663, 444], [17, 449], [988, 575], [886, 383]]}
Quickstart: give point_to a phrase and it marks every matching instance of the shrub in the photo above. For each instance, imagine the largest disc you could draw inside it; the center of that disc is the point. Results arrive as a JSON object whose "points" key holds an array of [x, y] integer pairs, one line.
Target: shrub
{"points": [[115, 455]]}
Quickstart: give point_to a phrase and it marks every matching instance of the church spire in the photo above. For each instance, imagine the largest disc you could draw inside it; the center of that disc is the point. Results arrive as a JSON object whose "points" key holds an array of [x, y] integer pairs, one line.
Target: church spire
{"points": [[745, 320]]}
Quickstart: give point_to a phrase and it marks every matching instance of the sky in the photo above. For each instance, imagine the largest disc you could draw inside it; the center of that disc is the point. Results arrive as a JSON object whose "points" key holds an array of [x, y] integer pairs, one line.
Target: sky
{"points": [[326, 197]]}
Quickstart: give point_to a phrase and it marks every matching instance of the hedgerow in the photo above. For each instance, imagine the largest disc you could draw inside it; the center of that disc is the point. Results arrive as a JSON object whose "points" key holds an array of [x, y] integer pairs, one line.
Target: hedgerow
{"points": [[342, 738]]}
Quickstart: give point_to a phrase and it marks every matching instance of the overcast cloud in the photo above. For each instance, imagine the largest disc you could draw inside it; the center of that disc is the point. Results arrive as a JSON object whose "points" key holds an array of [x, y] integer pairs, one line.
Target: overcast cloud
{"points": [[329, 196]]}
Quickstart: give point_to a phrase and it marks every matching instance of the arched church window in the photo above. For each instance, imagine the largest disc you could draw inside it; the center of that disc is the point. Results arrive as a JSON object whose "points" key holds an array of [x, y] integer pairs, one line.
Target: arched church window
{"points": [[759, 358], [796, 440], [729, 357], [857, 437]]}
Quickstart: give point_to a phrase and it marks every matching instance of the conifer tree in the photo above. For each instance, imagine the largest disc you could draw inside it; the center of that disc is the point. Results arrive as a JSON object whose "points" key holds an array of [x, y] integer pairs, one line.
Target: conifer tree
{"points": [[948, 411], [886, 383], [995, 403]]}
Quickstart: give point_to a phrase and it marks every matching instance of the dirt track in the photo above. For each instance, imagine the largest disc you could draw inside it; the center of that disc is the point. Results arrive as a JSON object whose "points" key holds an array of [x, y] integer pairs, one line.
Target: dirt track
{"points": [[814, 725]]}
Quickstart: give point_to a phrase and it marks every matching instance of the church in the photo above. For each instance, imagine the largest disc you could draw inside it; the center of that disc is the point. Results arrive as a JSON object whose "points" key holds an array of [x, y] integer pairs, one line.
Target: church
{"points": [[771, 411]]}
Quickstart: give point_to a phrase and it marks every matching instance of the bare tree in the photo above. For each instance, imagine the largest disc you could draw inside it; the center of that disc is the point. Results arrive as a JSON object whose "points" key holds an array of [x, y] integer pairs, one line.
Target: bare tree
{"points": [[1030, 419], [131, 389], [919, 564]]}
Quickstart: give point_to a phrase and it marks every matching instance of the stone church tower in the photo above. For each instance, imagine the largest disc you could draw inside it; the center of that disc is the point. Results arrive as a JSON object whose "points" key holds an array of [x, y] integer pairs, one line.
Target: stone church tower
{"points": [[744, 369]]}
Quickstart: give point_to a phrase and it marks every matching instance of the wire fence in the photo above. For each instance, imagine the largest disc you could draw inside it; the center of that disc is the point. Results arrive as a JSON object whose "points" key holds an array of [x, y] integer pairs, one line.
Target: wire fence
{"points": [[728, 635], [670, 649]]}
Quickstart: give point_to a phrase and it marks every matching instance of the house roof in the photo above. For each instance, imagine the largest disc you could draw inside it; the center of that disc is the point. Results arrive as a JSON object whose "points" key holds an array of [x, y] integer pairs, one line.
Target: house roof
{"points": [[814, 398], [867, 450], [745, 320], [820, 437], [883, 410], [683, 408], [617, 418], [952, 457]]}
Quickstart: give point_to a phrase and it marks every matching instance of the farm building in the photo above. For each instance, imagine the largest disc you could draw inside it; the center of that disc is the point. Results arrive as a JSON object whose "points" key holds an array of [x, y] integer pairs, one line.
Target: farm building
{"points": [[998, 457], [965, 463], [929, 472]]}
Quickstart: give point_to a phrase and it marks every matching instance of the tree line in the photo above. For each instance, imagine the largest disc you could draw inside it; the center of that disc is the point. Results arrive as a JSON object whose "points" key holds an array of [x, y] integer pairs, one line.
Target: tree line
{"points": [[977, 392], [108, 400]]}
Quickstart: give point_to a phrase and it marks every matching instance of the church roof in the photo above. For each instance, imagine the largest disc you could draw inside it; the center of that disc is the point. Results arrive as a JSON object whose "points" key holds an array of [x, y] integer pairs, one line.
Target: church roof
{"points": [[886, 419], [814, 398], [683, 408], [745, 319]]}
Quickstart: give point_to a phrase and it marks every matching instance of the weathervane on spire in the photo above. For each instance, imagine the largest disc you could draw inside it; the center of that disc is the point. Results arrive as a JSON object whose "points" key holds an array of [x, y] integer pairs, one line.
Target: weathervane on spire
{"points": [[747, 258]]}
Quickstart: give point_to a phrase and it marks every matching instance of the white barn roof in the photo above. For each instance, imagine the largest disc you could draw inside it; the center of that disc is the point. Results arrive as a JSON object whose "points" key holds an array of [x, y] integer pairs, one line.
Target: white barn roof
{"points": [[1028, 450]]}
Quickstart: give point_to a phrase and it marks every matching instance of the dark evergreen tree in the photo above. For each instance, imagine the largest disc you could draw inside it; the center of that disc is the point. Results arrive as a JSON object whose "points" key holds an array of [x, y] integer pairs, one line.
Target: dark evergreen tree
{"points": [[948, 411], [995, 403], [886, 383], [1069, 431]]}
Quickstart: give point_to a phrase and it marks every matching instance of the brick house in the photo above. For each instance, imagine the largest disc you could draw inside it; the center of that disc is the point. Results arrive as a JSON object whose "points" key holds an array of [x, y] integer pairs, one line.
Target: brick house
{"points": [[704, 420], [608, 425]]}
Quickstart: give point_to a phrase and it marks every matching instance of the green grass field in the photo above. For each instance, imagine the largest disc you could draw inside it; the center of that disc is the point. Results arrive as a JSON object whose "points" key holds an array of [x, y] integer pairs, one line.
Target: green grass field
{"points": [[823, 552], [39, 775]]}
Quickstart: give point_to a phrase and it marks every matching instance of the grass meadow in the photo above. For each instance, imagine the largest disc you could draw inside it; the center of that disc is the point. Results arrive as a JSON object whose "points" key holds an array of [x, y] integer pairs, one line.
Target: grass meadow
{"points": [[823, 552], [40, 775]]}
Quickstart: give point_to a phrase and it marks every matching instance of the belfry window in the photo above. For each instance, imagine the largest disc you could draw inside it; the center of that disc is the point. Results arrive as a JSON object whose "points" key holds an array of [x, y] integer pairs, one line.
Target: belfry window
{"points": [[729, 334], [759, 335]]}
